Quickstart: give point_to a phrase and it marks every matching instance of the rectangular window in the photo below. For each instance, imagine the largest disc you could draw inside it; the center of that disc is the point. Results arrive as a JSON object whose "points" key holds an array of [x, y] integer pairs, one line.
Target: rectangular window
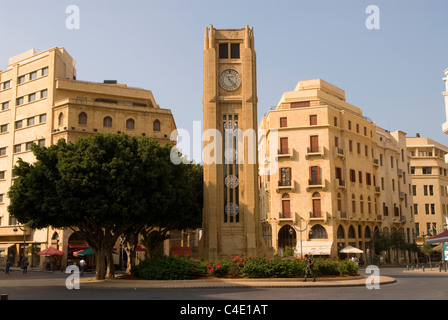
{"points": [[42, 118], [45, 71], [313, 120], [284, 146], [19, 101], [5, 105], [21, 79], [18, 124], [7, 85], [4, 128], [415, 208], [314, 144], [335, 121], [358, 148], [2, 151], [427, 208], [2, 175], [426, 170], [234, 51], [357, 128], [283, 122], [43, 94], [30, 121], [360, 176], [368, 179], [223, 51], [17, 148], [33, 75], [352, 175], [315, 178], [414, 190], [425, 190], [41, 143], [433, 208], [431, 190], [412, 170], [28, 146], [349, 125], [285, 177], [350, 145], [31, 97]]}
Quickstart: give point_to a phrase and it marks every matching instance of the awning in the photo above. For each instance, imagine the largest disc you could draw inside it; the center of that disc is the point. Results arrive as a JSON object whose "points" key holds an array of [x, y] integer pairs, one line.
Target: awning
{"points": [[86, 252], [314, 248], [441, 237], [3, 247], [50, 251], [350, 249]]}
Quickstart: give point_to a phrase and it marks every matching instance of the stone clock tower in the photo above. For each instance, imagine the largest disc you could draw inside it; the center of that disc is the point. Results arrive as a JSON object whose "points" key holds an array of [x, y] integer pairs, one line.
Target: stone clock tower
{"points": [[231, 220]]}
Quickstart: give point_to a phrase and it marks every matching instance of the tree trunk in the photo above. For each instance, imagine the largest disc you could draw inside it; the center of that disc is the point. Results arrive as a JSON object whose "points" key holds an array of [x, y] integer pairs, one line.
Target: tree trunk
{"points": [[131, 255], [110, 265], [100, 256]]}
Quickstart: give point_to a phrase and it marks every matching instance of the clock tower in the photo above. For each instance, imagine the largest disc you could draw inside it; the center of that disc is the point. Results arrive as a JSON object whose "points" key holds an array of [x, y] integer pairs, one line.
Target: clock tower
{"points": [[231, 219]]}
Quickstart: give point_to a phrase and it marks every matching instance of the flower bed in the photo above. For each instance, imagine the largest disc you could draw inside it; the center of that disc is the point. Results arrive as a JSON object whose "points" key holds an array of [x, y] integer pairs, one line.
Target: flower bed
{"points": [[183, 268]]}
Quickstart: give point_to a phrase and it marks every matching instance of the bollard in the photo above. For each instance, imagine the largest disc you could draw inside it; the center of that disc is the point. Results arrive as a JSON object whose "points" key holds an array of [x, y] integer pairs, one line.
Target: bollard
{"points": [[423, 268], [4, 296], [407, 266], [412, 268]]}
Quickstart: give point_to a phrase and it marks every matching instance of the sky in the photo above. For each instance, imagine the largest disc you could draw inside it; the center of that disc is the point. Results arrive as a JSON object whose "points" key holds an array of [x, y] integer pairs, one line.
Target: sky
{"points": [[393, 73]]}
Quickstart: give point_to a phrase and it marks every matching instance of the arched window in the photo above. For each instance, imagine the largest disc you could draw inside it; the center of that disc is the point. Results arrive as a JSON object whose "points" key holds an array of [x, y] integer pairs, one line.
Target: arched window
{"points": [[82, 118], [317, 213], [318, 232], [359, 231], [130, 124], [351, 233], [107, 122], [61, 119], [156, 125], [340, 232], [367, 233]]}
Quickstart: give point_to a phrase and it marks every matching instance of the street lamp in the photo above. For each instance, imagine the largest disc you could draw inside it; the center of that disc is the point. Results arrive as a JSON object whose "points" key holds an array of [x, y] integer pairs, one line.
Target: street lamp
{"points": [[291, 230]]}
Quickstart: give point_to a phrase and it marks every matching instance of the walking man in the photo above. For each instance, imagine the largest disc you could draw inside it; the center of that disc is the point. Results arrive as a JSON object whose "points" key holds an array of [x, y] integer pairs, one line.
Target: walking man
{"points": [[309, 263]]}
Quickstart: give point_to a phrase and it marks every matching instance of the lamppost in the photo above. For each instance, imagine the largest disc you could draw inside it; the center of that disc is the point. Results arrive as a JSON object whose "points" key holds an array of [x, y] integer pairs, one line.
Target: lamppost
{"points": [[24, 240], [291, 230]]}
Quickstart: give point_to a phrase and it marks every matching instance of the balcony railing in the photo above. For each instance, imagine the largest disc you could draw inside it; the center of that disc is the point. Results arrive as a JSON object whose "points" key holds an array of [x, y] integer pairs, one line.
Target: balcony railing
{"points": [[314, 151], [284, 183], [285, 152]]}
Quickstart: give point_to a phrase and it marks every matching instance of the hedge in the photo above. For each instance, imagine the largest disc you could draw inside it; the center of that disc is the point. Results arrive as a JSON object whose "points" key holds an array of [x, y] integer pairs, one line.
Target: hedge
{"points": [[183, 268]]}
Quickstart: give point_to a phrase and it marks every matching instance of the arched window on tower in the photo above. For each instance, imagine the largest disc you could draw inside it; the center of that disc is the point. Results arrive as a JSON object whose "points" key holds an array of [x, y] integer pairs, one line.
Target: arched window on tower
{"points": [[156, 125], [107, 122], [82, 118], [130, 124]]}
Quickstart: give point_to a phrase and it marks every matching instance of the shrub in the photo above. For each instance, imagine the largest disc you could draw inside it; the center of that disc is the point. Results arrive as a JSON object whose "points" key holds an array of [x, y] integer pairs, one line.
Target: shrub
{"points": [[220, 269], [169, 268]]}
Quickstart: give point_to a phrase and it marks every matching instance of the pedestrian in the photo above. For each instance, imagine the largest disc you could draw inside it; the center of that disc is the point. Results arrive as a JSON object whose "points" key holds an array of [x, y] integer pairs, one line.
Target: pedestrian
{"points": [[309, 263], [25, 266], [8, 266], [82, 265]]}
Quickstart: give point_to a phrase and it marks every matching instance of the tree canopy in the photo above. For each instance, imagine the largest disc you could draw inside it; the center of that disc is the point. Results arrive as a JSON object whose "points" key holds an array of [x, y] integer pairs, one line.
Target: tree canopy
{"points": [[105, 185]]}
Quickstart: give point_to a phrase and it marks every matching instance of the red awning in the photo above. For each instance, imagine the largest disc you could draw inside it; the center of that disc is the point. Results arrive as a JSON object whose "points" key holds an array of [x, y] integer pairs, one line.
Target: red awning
{"points": [[441, 237], [50, 252]]}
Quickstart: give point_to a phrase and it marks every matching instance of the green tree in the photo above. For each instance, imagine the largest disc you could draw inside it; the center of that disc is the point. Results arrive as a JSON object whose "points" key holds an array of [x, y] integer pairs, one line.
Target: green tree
{"points": [[381, 242], [397, 242], [427, 250], [102, 185]]}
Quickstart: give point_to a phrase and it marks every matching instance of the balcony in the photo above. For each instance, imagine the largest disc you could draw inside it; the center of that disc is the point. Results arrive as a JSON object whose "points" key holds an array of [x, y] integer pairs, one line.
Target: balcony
{"points": [[339, 184], [285, 153], [377, 190], [376, 162], [339, 152], [400, 172], [379, 217], [285, 185], [401, 195], [321, 215], [286, 216], [342, 215], [315, 184], [314, 152]]}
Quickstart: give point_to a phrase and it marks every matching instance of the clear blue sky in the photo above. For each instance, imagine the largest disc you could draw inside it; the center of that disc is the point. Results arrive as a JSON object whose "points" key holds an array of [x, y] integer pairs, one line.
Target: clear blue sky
{"points": [[394, 74]]}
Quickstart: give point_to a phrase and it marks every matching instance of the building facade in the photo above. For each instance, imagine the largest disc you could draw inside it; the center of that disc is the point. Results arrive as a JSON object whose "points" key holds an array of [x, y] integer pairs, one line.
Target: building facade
{"points": [[42, 102], [329, 176], [429, 186]]}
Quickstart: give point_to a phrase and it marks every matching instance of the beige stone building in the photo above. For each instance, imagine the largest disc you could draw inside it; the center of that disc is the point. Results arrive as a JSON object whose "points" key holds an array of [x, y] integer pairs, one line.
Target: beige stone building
{"points": [[429, 186], [41, 102], [329, 176]]}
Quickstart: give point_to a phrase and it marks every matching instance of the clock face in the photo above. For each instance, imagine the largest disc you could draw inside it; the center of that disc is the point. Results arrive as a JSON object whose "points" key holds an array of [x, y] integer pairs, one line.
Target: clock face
{"points": [[229, 80]]}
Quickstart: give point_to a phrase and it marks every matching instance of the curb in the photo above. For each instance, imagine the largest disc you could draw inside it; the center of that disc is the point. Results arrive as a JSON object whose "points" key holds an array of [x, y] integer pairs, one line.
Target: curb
{"points": [[232, 283]]}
